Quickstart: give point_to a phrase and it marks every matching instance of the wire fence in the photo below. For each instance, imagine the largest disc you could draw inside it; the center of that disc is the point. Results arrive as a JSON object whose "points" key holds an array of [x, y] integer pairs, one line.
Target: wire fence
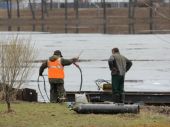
{"points": [[86, 16]]}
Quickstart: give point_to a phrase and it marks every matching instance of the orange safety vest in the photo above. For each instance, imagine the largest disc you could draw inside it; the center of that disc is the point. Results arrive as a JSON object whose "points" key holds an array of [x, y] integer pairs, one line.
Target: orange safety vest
{"points": [[55, 69]]}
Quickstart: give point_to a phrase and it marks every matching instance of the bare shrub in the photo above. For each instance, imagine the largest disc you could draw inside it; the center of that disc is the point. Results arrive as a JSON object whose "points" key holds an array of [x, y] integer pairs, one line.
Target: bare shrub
{"points": [[16, 62]]}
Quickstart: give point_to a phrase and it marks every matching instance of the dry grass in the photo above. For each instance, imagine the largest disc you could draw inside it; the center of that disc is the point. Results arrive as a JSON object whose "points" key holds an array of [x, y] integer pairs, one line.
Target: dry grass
{"points": [[57, 115]]}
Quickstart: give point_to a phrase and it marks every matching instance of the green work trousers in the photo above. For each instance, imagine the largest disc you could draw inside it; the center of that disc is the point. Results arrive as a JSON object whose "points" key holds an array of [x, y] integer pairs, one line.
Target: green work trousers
{"points": [[118, 88], [57, 92]]}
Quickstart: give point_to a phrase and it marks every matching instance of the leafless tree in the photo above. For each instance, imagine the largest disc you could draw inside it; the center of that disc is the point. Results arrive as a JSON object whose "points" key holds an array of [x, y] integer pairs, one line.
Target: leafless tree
{"points": [[18, 12], [51, 4], [9, 8], [32, 9], [16, 62], [9, 11]]}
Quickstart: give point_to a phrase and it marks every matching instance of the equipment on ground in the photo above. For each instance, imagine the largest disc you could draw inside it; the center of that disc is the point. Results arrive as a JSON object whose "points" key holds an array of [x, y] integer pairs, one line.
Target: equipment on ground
{"points": [[106, 108], [84, 107], [80, 97], [103, 85]]}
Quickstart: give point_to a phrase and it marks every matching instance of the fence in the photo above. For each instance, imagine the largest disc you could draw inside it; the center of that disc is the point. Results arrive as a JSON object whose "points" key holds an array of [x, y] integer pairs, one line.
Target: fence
{"points": [[86, 17]]}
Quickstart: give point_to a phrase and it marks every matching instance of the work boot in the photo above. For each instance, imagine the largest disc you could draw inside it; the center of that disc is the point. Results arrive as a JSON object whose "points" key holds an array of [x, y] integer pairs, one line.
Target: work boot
{"points": [[114, 98], [117, 98], [122, 98]]}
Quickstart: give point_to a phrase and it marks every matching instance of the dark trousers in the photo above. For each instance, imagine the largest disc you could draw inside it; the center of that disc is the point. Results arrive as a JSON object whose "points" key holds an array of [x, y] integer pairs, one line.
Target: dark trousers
{"points": [[57, 92], [118, 88]]}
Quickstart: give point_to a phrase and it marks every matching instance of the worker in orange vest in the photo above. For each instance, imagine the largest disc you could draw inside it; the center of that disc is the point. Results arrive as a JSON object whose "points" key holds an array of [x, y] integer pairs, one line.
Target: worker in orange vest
{"points": [[55, 65]]}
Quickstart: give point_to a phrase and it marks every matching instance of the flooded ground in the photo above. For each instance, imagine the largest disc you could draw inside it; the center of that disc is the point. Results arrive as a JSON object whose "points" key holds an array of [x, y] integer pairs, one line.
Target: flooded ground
{"points": [[150, 55]]}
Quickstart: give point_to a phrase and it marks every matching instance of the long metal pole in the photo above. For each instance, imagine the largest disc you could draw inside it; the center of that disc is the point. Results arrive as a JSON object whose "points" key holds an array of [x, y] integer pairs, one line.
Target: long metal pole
{"points": [[104, 17], [151, 16], [66, 15], [42, 15], [77, 16], [129, 15], [133, 16]]}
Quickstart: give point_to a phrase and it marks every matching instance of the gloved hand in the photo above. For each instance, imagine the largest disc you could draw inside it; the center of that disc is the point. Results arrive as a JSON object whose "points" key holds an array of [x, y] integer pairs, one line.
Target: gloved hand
{"points": [[75, 60]]}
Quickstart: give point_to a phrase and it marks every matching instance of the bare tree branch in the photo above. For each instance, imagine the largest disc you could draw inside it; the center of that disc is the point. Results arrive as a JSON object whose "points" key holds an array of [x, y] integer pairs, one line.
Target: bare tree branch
{"points": [[16, 56]]}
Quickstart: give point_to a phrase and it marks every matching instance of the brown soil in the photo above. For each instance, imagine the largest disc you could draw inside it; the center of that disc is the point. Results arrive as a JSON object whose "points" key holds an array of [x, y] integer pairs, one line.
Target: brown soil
{"points": [[165, 110]]}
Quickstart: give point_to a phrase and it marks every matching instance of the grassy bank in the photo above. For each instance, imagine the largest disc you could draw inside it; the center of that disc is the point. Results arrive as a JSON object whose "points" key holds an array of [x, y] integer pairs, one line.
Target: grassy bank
{"points": [[57, 115]]}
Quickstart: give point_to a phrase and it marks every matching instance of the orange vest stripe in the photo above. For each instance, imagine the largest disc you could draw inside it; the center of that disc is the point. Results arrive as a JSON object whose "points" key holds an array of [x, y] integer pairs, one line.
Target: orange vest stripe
{"points": [[55, 69]]}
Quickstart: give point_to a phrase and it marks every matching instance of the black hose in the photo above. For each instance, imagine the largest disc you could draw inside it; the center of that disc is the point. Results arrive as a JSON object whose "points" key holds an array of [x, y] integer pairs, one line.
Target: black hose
{"points": [[40, 89], [45, 89], [81, 82]]}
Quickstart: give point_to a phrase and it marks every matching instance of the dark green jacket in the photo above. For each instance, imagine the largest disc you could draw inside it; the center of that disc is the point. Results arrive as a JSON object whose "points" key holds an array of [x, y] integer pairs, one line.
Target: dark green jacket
{"points": [[64, 62], [119, 64]]}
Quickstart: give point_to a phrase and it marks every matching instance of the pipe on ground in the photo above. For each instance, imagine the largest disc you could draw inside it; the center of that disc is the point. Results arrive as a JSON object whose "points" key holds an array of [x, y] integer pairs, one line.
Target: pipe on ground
{"points": [[106, 108]]}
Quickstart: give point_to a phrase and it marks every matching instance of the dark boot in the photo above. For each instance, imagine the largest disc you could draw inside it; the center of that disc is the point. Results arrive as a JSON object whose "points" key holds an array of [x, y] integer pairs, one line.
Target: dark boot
{"points": [[114, 98], [122, 98], [117, 98]]}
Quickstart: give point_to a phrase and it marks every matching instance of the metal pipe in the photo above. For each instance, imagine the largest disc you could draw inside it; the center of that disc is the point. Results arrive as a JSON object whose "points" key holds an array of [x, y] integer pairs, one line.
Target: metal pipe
{"points": [[66, 16], [104, 17], [106, 108], [77, 15], [151, 16]]}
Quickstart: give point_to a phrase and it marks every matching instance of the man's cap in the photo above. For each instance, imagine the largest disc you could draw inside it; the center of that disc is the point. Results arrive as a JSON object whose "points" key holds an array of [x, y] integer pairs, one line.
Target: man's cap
{"points": [[58, 52]]}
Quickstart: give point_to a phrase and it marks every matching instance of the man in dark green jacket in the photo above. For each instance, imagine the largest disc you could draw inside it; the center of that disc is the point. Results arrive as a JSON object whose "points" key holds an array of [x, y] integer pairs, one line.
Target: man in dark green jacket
{"points": [[118, 65], [57, 91]]}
